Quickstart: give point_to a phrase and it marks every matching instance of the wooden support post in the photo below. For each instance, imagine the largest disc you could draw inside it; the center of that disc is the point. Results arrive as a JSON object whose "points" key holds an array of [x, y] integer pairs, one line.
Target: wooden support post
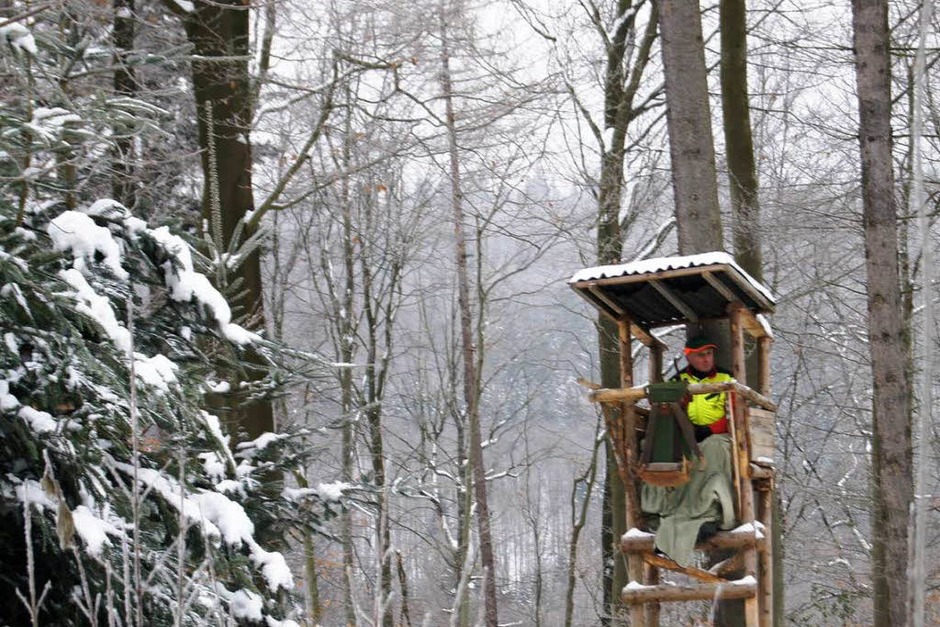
{"points": [[630, 446], [765, 582], [763, 365], [739, 372], [738, 359], [767, 496], [742, 457], [656, 364], [651, 571], [629, 456]]}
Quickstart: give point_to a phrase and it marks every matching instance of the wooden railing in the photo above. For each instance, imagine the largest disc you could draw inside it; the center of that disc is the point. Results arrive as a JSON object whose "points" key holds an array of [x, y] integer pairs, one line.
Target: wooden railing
{"points": [[613, 395]]}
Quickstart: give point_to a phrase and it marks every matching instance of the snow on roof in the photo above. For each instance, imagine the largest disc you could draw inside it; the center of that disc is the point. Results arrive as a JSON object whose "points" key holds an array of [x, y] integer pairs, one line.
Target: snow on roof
{"points": [[660, 264]]}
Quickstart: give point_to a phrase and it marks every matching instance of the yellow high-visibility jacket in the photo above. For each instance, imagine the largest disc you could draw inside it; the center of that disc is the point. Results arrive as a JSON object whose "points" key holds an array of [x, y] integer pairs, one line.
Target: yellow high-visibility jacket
{"points": [[704, 409]]}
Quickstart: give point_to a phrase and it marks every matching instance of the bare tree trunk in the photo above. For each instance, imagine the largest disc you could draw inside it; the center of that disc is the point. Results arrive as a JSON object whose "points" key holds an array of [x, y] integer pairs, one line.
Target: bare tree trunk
{"points": [[614, 515], [346, 334], [349, 607], [610, 250], [688, 115], [125, 84], [745, 209], [578, 519], [534, 516], [739, 145], [694, 173], [620, 88], [464, 521], [376, 373], [65, 153], [892, 465], [403, 584], [363, 304], [471, 384], [219, 34], [314, 606]]}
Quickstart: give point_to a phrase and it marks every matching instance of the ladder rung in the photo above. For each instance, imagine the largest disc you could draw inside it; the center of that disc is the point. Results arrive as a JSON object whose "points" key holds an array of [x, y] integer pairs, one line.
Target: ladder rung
{"points": [[642, 542], [635, 593]]}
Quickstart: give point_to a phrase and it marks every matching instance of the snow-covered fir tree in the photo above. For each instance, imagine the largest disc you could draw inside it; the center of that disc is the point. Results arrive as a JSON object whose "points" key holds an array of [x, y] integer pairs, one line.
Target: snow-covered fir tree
{"points": [[124, 502]]}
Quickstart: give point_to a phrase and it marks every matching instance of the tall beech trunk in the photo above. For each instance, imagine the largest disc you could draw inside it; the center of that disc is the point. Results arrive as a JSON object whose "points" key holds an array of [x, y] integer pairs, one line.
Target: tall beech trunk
{"points": [[694, 174], [739, 143], [892, 459], [688, 116], [745, 214]]}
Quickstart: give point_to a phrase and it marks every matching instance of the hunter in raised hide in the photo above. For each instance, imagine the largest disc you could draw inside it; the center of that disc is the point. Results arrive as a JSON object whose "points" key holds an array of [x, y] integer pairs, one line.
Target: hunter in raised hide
{"points": [[686, 464]]}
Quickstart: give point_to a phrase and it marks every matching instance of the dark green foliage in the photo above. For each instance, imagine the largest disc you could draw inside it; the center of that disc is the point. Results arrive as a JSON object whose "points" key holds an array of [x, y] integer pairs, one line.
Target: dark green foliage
{"points": [[78, 398]]}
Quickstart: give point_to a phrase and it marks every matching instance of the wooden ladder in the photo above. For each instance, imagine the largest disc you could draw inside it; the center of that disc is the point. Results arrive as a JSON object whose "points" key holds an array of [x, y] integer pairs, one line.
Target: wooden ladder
{"points": [[746, 574]]}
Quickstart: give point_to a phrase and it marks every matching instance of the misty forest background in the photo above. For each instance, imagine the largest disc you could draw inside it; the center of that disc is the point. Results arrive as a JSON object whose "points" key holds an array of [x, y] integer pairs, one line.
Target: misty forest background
{"points": [[316, 158]]}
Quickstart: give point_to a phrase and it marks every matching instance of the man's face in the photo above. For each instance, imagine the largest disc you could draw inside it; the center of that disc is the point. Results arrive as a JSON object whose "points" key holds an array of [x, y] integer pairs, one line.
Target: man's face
{"points": [[703, 360]]}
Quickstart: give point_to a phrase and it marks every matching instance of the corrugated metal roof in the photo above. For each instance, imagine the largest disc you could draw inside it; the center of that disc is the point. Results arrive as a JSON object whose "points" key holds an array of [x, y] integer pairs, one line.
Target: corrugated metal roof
{"points": [[672, 290]]}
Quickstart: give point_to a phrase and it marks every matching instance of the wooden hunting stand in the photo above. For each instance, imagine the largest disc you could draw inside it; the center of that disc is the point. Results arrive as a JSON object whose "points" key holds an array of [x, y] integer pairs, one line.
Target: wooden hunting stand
{"points": [[672, 291]]}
